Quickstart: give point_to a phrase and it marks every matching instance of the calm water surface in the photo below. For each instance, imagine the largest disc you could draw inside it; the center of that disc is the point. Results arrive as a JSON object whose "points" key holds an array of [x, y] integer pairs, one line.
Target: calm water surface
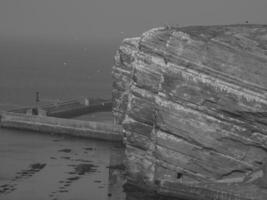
{"points": [[72, 168]]}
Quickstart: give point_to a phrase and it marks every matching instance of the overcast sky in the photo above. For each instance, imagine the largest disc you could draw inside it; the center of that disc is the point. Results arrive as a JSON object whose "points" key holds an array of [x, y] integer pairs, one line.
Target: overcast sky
{"points": [[107, 19]]}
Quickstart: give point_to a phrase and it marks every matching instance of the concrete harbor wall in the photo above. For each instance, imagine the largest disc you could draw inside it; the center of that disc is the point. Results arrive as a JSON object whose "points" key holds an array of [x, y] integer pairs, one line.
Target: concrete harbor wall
{"points": [[85, 129]]}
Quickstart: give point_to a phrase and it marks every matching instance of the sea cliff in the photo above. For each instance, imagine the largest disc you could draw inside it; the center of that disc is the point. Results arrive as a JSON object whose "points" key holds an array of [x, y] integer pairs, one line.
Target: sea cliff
{"points": [[193, 105]]}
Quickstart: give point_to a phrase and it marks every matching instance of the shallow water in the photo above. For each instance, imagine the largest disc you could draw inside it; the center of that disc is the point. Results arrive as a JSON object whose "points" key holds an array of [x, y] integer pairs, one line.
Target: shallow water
{"points": [[38, 166]]}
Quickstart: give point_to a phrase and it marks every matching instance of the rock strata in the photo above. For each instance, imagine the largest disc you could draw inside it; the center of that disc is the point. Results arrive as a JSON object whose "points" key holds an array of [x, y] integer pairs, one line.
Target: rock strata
{"points": [[193, 105]]}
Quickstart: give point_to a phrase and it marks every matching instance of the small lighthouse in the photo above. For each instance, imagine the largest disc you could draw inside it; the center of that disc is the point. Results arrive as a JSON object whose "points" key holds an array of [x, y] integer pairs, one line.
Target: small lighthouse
{"points": [[36, 110]]}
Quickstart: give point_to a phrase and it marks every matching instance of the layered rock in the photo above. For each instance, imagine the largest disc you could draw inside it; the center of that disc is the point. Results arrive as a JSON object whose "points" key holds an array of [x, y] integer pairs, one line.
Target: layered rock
{"points": [[193, 105]]}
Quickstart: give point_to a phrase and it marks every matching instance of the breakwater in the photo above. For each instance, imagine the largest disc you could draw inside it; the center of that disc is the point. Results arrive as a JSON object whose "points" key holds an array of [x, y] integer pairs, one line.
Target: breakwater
{"points": [[72, 107], [84, 129]]}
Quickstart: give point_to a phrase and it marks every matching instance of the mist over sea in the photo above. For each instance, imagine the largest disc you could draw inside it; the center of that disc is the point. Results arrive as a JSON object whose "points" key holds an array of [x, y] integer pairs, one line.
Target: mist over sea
{"points": [[57, 69]]}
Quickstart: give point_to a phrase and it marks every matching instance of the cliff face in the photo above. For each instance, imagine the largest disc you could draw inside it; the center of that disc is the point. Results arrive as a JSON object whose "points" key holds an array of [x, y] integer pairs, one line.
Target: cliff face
{"points": [[193, 104]]}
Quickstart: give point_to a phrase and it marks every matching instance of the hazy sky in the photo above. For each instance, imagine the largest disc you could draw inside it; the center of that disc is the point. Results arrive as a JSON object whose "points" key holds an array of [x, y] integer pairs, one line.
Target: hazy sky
{"points": [[107, 19]]}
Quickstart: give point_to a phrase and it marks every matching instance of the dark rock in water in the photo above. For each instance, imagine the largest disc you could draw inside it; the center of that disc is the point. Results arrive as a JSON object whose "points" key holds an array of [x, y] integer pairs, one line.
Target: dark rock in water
{"points": [[193, 105], [82, 160], [65, 150], [74, 178], [3, 186], [89, 148], [38, 166], [7, 188], [63, 191], [82, 169], [33, 168], [65, 157]]}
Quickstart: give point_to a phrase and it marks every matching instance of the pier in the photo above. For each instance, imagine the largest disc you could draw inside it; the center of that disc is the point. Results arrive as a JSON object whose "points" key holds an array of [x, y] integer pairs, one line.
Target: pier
{"points": [[54, 125], [54, 119]]}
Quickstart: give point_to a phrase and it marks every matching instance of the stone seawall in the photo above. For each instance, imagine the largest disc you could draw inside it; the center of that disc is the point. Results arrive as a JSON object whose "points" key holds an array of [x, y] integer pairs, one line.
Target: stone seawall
{"points": [[85, 129]]}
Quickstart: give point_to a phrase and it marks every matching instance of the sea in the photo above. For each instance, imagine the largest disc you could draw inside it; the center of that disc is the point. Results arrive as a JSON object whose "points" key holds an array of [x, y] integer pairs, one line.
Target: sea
{"points": [[37, 166]]}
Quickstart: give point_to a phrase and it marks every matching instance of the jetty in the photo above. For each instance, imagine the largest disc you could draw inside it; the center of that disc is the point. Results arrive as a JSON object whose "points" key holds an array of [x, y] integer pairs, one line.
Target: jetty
{"points": [[54, 119], [69, 127]]}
